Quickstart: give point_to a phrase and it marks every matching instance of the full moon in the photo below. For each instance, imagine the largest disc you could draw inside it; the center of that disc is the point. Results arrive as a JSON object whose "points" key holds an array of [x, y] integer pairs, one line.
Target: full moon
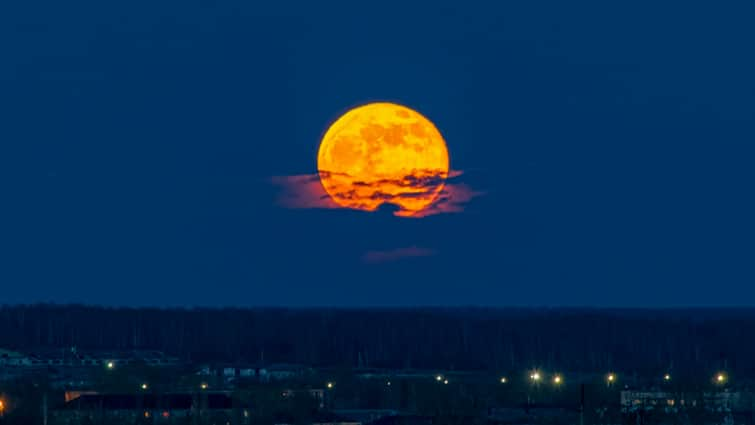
{"points": [[383, 153]]}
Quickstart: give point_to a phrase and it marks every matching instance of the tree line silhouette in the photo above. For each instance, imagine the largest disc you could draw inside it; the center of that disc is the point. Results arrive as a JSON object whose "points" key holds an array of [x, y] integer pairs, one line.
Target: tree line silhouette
{"points": [[586, 340]]}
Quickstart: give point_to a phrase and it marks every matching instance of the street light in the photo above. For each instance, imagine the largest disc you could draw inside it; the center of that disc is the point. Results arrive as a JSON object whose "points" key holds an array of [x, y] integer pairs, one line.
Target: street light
{"points": [[503, 380], [329, 385], [667, 377], [145, 386], [439, 378], [557, 380], [204, 385], [720, 378], [110, 365], [445, 381], [535, 376], [611, 378]]}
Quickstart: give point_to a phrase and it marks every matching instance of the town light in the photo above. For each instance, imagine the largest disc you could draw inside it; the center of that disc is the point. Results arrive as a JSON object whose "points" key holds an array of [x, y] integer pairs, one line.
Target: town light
{"points": [[388, 383], [2, 406], [720, 378], [204, 385], [439, 378], [445, 381], [557, 380], [145, 386], [329, 385], [667, 377], [110, 365], [535, 376], [611, 378], [503, 380]]}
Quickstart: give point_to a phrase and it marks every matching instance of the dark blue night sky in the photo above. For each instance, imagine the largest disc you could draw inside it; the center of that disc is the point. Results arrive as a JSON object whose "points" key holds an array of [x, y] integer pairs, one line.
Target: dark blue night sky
{"points": [[615, 144]]}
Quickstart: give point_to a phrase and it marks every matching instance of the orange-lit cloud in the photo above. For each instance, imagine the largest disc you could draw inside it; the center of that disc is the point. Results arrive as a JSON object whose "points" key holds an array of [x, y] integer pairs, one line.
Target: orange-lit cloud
{"points": [[375, 257], [306, 191]]}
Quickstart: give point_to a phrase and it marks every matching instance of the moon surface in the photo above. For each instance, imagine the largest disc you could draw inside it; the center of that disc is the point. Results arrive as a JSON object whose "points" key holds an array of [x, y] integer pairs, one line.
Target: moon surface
{"points": [[382, 153]]}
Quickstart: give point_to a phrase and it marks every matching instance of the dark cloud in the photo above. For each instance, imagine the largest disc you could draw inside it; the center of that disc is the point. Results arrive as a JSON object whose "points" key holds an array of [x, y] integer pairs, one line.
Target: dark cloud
{"points": [[306, 191]]}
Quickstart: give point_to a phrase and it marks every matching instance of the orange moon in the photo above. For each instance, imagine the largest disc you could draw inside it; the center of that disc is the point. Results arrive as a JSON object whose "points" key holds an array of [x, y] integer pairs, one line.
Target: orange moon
{"points": [[383, 153]]}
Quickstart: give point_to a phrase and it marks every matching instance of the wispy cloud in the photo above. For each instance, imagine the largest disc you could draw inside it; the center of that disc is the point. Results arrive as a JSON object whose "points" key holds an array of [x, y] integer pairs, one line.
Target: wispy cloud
{"points": [[302, 191], [377, 257], [306, 191]]}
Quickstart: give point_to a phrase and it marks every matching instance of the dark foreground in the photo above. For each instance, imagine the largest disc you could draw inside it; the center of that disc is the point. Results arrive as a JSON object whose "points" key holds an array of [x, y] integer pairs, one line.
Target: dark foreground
{"points": [[74, 364]]}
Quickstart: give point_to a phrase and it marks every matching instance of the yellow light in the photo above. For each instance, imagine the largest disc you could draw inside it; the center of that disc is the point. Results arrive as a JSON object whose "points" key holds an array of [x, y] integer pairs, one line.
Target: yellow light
{"points": [[145, 386], [446, 382], [720, 378], [557, 379], [667, 377], [611, 377], [439, 378], [330, 385], [503, 380], [204, 386], [2, 405], [110, 365], [535, 376]]}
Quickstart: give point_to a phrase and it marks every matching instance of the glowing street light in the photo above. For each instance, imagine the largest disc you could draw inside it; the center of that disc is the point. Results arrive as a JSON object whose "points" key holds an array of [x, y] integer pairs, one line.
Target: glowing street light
{"points": [[145, 386], [439, 378], [329, 385], [667, 377], [203, 385], [445, 382], [110, 365], [503, 380], [720, 378], [2, 407], [535, 376], [557, 380]]}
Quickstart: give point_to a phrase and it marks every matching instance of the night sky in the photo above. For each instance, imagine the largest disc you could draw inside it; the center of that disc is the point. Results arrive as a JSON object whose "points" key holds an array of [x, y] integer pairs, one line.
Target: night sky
{"points": [[615, 145]]}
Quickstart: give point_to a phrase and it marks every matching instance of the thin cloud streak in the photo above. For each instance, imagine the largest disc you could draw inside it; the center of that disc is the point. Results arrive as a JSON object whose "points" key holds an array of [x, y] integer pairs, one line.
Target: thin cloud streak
{"points": [[378, 257]]}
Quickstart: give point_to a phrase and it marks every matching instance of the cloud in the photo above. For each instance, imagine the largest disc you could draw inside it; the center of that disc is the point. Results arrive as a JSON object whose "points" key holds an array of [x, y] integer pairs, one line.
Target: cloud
{"points": [[377, 257], [302, 191], [306, 191]]}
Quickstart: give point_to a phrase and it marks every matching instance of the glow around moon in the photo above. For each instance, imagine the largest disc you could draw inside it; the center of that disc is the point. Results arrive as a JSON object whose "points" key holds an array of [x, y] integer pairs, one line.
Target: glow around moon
{"points": [[383, 153]]}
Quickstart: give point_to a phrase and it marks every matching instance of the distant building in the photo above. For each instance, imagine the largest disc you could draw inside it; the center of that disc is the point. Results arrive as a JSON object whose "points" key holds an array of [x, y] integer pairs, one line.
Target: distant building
{"points": [[13, 358], [275, 372], [281, 372], [101, 408], [669, 401], [72, 357], [317, 394]]}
